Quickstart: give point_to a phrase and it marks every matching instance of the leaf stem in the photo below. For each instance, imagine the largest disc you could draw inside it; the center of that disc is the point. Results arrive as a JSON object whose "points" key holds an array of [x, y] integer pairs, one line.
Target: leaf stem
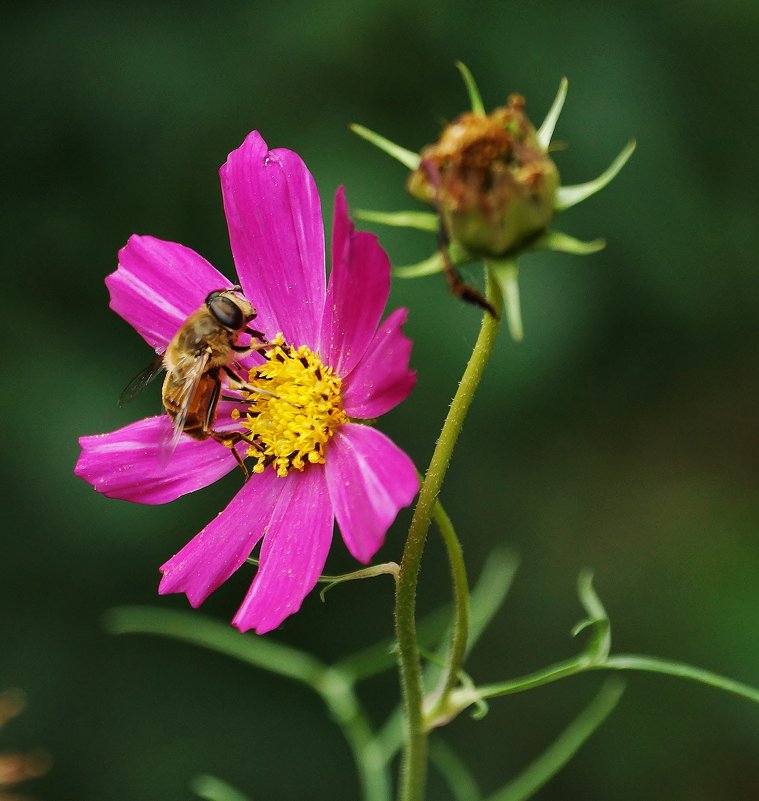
{"points": [[559, 753], [414, 770], [333, 686], [460, 629], [464, 697]]}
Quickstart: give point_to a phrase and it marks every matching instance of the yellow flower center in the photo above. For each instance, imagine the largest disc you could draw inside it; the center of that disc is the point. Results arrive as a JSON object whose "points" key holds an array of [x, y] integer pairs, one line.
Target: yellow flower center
{"points": [[292, 426]]}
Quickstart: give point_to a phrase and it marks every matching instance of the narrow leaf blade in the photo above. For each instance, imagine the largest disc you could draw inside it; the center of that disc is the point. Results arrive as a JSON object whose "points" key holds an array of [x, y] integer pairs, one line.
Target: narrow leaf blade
{"points": [[212, 789], [651, 664], [539, 772], [193, 628]]}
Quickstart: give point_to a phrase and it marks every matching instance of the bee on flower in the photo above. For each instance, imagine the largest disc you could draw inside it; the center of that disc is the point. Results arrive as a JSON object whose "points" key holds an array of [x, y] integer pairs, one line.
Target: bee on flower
{"points": [[330, 362]]}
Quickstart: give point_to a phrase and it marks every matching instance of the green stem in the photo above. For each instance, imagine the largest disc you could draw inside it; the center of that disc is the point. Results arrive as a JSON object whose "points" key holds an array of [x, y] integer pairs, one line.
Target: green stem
{"points": [[460, 633], [332, 685], [414, 772], [461, 698], [561, 751], [338, 694]]}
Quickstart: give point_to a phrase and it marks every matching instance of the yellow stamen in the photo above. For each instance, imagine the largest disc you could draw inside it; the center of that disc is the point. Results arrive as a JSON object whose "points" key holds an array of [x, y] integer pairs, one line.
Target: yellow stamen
{"points": [[293, 425]]}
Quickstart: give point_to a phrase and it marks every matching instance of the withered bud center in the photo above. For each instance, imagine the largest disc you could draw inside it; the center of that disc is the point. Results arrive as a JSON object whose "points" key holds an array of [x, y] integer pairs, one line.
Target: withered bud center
{"points": [[490, 180]]}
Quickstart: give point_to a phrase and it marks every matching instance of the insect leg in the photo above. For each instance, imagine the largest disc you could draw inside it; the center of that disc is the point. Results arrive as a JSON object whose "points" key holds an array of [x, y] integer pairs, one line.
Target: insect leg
{"points": [[243, 385], [230, 439], [213, 402], [456, 284]]}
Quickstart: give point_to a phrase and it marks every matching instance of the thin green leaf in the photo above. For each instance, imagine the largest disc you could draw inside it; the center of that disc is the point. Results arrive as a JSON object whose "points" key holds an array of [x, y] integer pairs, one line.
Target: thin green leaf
{"points": [[490, 591], [196, 629], [507, 276], [545, 132], [485, 599], [453, 651], [434, 264], [568, 196], [212, 789], [571, 667], [391, 735], [381, 656], [568, 743], [475, 99], [419, 220], [454, 771], [651, 664], [384, 569], [546, 675], [406, 157], [564, 243], [599, 644]]}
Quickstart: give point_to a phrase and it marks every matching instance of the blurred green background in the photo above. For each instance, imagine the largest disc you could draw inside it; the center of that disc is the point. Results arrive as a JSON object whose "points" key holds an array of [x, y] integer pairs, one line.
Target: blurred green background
{"points": [[620, 435]]}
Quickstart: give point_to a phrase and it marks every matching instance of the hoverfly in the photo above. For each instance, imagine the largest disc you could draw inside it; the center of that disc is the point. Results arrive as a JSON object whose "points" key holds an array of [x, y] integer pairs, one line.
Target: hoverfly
{"points": [[202, 351]]}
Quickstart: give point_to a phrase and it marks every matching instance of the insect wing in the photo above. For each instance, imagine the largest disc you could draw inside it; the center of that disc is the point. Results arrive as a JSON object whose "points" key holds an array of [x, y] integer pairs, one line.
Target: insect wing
{"points": [[141, 380], [183, 399]]}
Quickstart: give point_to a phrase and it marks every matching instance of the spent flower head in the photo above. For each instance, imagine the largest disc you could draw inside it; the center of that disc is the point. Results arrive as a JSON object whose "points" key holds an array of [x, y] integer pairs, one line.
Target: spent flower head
{"points": [[495, 191], [490, 180], [329, 362]]}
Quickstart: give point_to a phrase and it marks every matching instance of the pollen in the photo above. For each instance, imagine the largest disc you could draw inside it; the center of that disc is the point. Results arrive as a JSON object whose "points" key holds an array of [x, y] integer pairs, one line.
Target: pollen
{"points": [[294, 411]]}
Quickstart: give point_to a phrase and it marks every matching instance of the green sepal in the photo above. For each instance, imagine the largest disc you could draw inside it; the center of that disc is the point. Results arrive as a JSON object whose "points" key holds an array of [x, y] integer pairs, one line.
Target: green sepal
{"points": [[545, 132], [568, 196], [564, 243], [429, 266], [475, 98], [506, 274], [406, 157], [419, 220]]}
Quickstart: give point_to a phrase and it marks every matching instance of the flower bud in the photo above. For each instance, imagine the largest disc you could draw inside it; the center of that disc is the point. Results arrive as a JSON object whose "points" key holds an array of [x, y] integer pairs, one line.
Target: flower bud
{"points": [[489, 179]]}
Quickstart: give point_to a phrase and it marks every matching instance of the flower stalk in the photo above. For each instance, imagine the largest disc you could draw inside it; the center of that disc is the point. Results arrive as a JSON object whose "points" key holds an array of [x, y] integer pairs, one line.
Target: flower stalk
{"points": [[414, 769]]}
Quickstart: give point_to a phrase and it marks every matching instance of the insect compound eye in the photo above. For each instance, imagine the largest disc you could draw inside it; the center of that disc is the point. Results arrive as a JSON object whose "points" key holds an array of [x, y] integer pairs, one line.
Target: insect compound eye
{"points": [[226, 311]]}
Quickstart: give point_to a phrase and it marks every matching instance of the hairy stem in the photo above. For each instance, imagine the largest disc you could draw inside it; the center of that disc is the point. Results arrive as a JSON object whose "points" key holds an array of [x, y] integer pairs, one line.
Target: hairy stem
{"points": [[414, 772]]}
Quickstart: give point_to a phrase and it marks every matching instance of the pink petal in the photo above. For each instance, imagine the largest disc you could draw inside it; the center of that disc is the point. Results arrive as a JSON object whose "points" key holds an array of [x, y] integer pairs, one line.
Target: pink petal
{"points": [[382, 379], [277, 237], [127, 463], [359, 286], [158, 285], [369, 479], [214, 554], [295, 547]]}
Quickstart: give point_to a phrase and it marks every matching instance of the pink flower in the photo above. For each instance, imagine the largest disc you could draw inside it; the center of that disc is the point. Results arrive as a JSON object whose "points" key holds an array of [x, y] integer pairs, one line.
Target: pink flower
{"points": [[352, 473]]}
